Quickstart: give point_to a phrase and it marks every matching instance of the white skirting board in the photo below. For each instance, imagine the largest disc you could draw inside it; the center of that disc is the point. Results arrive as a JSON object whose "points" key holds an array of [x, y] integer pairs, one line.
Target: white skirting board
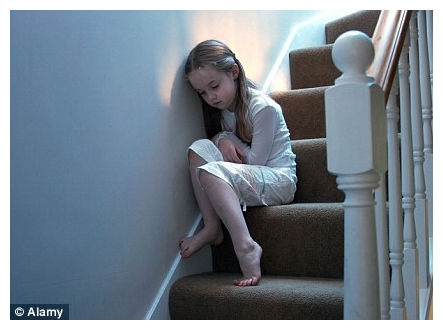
{"points": [[198, 263]]}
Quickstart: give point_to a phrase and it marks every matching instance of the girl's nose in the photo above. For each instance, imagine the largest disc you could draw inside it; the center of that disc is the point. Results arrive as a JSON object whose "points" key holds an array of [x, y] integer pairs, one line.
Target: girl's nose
{"points": [[212, 96]]}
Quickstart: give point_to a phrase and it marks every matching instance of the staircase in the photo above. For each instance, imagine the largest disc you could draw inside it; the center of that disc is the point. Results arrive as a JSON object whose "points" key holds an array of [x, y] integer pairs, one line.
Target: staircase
{"points": [[302, 262]]}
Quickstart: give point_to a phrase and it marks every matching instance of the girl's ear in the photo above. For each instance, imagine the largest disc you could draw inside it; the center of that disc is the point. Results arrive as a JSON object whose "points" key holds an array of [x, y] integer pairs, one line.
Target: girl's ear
{"points": [[235, 71]]}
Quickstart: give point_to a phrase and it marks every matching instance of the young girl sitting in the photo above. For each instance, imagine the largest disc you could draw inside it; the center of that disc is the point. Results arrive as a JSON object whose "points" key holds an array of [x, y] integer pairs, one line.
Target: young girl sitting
{"points": [[247, 162]]}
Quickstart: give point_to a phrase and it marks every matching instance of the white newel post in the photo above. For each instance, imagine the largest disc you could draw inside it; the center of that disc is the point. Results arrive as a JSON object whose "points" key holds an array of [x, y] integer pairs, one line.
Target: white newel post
{"points": [[356, 153], [381, 219], [421, 206]]}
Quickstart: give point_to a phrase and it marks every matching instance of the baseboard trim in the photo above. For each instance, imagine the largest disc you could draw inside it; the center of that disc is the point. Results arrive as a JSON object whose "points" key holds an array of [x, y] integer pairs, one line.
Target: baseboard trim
{"points": [[166, 281]]}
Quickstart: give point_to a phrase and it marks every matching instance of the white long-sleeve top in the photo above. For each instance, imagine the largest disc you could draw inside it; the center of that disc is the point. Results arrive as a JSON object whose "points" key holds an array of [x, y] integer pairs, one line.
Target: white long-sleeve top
{"points": [[270, 144]]}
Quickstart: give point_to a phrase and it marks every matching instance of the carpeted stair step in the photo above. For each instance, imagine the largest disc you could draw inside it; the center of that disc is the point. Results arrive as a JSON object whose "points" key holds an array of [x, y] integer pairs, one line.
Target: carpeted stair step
{"points": [[212, 296], [304, 112], [297, 240], [315, 184], [364, 21], [312, 67]]}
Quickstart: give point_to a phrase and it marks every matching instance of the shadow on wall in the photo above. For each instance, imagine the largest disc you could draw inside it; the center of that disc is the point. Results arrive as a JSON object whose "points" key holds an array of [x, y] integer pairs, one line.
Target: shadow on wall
{"points": [[186, 106], [183, 124]]}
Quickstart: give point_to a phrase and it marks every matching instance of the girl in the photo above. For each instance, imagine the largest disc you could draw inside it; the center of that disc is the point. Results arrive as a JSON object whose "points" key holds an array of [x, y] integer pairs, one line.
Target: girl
{"points": [[247, 162]]}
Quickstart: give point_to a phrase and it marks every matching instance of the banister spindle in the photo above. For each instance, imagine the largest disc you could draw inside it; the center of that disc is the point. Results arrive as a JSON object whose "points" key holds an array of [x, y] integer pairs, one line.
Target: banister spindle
{"points": [[398, 311], [425, 81], [426, 105], [421, 213], [356, 153], [430, 33], [410, 266]]}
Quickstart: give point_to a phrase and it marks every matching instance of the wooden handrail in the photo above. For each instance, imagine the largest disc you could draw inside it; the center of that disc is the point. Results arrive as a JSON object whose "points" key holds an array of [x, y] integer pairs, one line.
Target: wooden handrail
{"points": [[388, 38]]}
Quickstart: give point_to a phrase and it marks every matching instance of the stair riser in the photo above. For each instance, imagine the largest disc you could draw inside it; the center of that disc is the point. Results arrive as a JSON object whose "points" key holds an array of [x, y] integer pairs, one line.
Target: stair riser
{"points": [[315, 184], [297, 240], [312, 67], [364, 21], [304, 112]]}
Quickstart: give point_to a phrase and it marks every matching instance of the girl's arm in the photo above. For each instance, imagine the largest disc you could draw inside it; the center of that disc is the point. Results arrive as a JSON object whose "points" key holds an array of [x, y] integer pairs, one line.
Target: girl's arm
{"points": [[216, 138], [263, 131], [230, 150]]}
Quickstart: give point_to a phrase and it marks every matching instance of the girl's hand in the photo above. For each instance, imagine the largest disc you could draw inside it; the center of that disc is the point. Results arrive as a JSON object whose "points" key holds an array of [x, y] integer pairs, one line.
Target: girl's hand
{"points": [[230, 151], [215, 137]]}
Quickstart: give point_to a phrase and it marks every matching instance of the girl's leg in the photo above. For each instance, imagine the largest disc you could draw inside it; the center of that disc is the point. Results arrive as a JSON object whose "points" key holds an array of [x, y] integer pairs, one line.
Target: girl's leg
{"points": [[225, 203], [212, 232]]}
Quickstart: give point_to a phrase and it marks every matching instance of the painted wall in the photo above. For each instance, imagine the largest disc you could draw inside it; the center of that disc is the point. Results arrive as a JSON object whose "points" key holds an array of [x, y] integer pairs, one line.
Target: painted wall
{"points": [[101, 117]]}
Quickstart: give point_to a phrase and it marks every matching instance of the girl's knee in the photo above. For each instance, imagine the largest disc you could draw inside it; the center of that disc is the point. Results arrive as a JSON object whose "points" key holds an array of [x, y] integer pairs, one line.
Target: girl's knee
{"points": [[201, 142], [199, 145], [192, 155], [206, 179], [194, 160], [203, 177]]}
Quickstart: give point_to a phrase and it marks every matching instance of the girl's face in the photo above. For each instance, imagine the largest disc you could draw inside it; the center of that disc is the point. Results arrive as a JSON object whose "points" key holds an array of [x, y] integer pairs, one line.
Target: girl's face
{"points": [[217, 88]]}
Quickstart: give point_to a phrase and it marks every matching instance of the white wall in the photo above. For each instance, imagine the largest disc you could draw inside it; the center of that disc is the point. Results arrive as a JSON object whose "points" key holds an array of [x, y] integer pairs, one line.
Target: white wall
{"points": [[101, 117]]}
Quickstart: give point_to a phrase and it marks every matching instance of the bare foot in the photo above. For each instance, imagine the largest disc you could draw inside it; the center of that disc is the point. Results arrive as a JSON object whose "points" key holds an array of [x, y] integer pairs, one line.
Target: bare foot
{"points": [[190, 245], [250, 265]]}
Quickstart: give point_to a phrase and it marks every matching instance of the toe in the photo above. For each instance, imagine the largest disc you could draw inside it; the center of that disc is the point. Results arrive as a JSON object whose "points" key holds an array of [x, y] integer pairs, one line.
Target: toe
{"points": [[246, 281]]}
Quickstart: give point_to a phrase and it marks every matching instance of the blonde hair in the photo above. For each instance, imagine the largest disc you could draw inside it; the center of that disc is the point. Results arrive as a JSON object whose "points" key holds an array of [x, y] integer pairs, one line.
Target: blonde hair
{"points": [[216, 54]]}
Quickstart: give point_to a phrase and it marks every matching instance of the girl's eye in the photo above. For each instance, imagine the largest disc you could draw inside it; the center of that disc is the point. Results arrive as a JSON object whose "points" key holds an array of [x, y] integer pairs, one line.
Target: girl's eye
{"points": [[214, 87]]}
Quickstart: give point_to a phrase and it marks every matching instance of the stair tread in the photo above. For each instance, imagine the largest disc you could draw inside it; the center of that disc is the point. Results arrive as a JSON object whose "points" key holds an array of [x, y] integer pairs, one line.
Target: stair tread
{"points": [[291, 209], [213, 296]]}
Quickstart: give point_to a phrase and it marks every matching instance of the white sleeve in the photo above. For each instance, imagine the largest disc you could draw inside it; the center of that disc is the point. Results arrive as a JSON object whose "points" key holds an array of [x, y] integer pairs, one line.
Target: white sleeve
{"points": [[231, 135], [263, 131]]}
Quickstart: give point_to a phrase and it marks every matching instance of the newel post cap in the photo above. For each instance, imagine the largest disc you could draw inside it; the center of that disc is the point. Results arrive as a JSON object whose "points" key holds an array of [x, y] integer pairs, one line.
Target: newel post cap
{"points": [[352, 54], [355, 110]]}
